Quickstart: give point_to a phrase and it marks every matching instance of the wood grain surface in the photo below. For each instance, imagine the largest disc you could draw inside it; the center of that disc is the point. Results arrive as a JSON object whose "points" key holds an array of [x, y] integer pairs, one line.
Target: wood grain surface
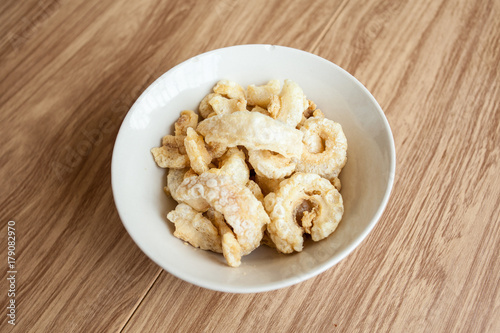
{"points": [[71, 70]]}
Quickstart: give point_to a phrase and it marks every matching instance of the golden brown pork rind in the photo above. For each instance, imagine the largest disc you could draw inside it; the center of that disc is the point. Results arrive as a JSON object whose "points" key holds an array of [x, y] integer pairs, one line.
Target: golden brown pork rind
{"points": [[274, 106], [174, 179], [230, 89], [187, 119], [261, 95], [303, 203], [216, 149], [268, 185], [198, 155], [223, 105], [205, 109], [233, 164], [169, 157], [270, 165], [242, 211], [254, 131], [260, 110], [174, 141], [328, 159], [256, 190], [284, 135], [191, 226], [293, 103], [231, 249]]}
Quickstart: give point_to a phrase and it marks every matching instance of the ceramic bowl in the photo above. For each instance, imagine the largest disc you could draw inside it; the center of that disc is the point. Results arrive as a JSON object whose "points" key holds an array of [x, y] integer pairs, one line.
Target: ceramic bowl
{"points": [[138, 183]]}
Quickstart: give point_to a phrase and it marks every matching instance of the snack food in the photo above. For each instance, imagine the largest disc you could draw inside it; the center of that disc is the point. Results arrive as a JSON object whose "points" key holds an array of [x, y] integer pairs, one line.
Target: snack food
{"points": [[269, 164], [325, 150], [241, 209], [256, 166], [253, 130], [310, 197]]}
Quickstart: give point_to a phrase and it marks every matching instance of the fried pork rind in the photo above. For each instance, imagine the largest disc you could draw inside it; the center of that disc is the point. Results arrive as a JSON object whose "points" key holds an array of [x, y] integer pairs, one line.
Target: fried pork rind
{"points": [[191, 226], [197, 203], [228, 96], [230, 89], [205, 109], [222, 105], [233, 164], [242, 211], [172, 153], [325, 148], [311, 107], [336, 182], [176, 142], [270, 165], [169, 157], [268, 185], [257, 192], [196, 151], [261, 95], [293, 103], [216, 149], [266, 240], [231, 249], [260, 110], [254, 131], [303, 203], [190, 173], [274, 106], [174, 179], [317, 113], [310, 113], [187, 119], [284, 135]]}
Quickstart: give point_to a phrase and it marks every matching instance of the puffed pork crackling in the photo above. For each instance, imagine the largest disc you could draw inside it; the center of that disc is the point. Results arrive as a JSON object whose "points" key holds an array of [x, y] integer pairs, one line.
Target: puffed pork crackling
{"points": [[255, 166]]}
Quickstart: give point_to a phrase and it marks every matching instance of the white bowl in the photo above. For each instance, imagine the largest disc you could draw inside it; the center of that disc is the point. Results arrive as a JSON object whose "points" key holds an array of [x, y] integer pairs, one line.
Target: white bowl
{"points": [[138, 183]]}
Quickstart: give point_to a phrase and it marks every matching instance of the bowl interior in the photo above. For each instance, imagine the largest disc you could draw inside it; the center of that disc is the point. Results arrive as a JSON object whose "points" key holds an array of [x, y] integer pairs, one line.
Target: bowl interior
{"points": [[138, 183]]}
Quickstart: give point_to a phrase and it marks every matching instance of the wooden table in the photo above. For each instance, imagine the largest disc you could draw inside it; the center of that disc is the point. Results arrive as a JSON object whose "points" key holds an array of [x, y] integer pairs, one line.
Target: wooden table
{"points": [[70, 70]]}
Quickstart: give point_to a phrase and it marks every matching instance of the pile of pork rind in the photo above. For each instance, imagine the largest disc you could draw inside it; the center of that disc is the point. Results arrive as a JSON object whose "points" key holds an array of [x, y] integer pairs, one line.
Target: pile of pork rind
{"points": [[255, 166]]}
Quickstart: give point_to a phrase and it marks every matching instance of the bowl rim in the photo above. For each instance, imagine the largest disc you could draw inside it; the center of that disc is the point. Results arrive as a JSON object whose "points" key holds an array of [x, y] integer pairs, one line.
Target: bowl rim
{"points": [[290, 280]]}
